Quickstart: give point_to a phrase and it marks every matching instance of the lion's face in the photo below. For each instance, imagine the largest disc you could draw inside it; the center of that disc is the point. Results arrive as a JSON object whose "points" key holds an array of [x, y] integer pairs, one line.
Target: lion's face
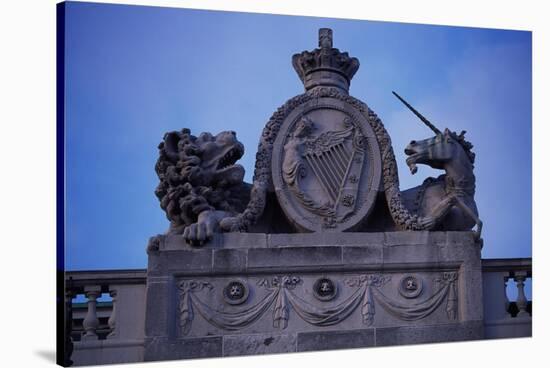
{"points": [[219, 155]]}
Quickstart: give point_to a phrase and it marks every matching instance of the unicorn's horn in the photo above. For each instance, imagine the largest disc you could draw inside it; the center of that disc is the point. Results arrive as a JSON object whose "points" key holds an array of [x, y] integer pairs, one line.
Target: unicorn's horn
{"points": [[424, 120]]}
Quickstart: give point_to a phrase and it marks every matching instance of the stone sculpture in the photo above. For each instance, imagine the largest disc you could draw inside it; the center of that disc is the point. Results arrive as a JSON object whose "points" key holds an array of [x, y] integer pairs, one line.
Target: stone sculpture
{"points": [[200, 182], [317, 259], [325, 162], [449, 199]]}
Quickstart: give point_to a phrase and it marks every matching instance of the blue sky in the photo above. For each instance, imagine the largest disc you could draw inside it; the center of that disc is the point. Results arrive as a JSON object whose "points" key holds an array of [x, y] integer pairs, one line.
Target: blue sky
{"points": [[134, 73]]}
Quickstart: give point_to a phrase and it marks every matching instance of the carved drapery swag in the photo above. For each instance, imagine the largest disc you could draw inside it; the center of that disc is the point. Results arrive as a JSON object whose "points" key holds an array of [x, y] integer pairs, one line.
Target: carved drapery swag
{"points": [[422, 309], [281, 295], [186, 304]]}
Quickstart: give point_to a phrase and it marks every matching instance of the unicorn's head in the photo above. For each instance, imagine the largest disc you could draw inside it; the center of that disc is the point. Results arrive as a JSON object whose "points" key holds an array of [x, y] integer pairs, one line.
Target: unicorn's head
{"points": [[438, 151]]}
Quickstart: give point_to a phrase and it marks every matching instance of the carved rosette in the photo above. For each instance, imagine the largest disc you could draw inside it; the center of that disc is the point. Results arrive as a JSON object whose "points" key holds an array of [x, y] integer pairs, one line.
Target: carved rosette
{"points": [[236, 292], [410, 286], [325, 289]]}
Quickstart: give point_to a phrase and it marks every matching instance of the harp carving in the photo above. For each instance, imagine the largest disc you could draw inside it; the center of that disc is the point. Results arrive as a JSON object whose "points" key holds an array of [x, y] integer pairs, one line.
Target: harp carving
{"points": [[336, 160], [329, 160]]}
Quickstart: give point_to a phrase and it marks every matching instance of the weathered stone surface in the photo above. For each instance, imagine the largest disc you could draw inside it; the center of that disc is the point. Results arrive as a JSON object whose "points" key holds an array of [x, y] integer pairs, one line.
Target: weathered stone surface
{"points": [[406, 238], [218, 240], [410, 253], [471, 330], [168, 262], [189, 348], [324, 239], [232, 260], [455, 248], [160, 306], [174, 242], [327, 340], [130, 309], [460, 238], [510, 327], [438, 237], [370, 255], [294, 256], [258, 344], [494, 298], [107, 352], [241, 240]]}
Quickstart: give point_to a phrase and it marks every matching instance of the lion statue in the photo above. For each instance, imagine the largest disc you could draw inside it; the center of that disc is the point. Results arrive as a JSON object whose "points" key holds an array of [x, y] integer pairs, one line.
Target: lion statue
{"points": [[200, 182]]}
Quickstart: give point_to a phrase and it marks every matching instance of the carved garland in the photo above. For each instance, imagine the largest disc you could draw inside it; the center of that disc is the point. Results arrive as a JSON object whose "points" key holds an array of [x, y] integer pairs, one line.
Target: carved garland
{"points": [[281, 295], [262, 172]]}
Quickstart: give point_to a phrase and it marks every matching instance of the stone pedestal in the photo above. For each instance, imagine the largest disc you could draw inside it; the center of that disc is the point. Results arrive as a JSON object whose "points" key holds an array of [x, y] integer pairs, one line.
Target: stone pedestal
{"points": [[247, 293]]}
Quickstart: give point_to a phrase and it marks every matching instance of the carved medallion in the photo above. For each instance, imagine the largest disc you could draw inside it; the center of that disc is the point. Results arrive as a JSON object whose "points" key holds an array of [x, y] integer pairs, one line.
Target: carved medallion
{"points": [[326, 166], [410, 286], [235, 292], [325, 289]]}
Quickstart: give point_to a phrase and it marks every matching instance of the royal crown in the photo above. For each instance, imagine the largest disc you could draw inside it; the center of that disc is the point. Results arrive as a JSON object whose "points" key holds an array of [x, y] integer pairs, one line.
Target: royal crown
{"points": [[325, 66]]}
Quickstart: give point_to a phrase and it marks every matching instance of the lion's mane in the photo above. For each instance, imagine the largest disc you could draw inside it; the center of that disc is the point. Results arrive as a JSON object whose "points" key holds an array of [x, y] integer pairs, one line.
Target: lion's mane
{"points": [[185, 189]]}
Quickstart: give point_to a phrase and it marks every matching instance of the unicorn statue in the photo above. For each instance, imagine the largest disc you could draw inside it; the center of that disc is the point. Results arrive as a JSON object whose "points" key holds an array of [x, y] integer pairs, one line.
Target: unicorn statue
{"points": [[447, 202]]}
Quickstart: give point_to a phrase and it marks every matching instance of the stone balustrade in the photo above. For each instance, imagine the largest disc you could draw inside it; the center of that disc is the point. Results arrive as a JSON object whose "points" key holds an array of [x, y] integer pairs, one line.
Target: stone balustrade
{"points": [[106, 331], [504, 317]]}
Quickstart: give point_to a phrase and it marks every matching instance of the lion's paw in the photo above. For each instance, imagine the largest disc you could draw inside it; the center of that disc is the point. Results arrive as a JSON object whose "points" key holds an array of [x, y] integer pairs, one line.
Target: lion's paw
{"points": [[231, 224]]}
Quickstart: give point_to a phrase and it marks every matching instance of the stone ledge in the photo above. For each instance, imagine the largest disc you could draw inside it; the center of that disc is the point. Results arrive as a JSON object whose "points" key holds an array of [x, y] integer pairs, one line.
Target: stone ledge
{"points": [[405, 335], [358, 255], [123, 352], [230, 260], [261, 240], [234, 345], [509, 327], [299, 251], [324, 239], [328, 340], [294, 256], [164, 262], [108, 343], [272, 343], [223, 240], [188, 348]]}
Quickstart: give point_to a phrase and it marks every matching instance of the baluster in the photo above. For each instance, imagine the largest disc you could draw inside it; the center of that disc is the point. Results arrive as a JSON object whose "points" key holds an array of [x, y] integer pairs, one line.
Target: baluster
{"points": [[112, 318], [521, 302], [69, 296], [69, 346], [507, 301], [91, 322]]}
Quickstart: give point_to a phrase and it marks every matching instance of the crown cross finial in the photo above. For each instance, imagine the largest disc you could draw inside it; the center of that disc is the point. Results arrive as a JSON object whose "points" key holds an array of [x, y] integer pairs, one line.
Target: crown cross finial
{"points": [[325, 66], [325, 38]]}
